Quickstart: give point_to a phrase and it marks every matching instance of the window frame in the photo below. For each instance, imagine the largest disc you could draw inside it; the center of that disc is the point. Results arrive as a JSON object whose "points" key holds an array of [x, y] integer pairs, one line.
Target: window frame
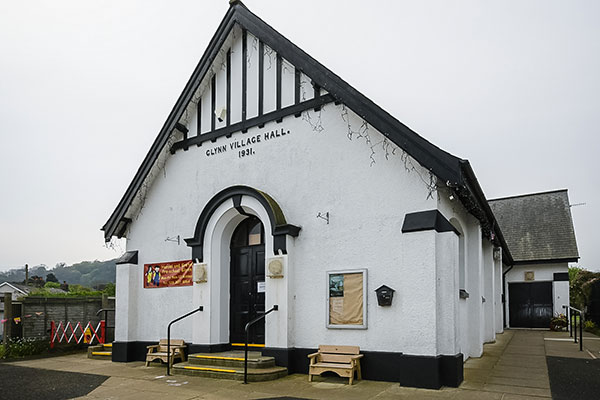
{"points": [[362, 271]]}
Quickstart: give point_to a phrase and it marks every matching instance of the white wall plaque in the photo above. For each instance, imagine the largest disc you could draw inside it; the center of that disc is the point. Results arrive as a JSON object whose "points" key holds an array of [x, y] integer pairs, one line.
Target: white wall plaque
{"points": [[261, 287]]}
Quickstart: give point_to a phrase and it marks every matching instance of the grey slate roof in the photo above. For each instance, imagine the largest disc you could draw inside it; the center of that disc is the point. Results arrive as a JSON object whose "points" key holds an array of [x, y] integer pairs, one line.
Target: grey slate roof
{"points": [[538, 226]]}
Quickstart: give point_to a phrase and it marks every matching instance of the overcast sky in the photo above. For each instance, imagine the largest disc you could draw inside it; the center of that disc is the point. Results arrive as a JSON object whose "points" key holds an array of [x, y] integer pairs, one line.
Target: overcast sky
{"points": [[85, 86]]}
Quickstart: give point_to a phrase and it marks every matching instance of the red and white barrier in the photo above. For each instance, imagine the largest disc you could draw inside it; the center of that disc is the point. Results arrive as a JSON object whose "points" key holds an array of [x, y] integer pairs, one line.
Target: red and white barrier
{"points": [[69, 333]]}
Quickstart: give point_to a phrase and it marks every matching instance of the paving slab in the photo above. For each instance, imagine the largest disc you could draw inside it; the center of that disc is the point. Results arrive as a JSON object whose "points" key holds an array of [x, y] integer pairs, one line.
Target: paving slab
{"points": [[525, 391], [541, 383]]}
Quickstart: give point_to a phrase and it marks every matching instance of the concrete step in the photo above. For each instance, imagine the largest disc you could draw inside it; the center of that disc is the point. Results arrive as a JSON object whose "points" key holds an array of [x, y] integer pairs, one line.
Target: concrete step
{"points": [[100, 352], [241, 346], [232, 359], [212, 371]]}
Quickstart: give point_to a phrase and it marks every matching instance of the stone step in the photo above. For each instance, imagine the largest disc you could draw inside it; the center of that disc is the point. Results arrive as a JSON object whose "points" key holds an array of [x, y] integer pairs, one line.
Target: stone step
{"points": [[250, 345], [212, 371], [100, 351], [232, 359]]}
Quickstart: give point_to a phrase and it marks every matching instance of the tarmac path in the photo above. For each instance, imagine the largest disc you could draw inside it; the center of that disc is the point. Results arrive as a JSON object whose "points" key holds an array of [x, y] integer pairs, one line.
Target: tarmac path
{"points": [[24, 383]]}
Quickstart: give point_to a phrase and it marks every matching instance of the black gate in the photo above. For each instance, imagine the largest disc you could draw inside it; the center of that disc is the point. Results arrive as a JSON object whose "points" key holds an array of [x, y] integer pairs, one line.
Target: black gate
{"points": [[530, 304], [593, 311]]}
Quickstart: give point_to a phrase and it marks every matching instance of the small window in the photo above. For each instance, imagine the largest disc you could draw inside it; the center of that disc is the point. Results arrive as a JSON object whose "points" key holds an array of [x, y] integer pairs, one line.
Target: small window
{"points": [[347, 299], [255, 234], [249, 232]]}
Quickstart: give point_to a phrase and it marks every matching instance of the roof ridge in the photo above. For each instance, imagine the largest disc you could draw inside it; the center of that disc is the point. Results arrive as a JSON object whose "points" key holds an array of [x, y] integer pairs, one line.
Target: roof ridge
{"points": [[528, 194]]}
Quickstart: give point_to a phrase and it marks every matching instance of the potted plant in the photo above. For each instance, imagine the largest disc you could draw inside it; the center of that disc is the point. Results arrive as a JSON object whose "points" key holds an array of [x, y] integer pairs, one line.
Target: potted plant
{"points": [[558, 323]]}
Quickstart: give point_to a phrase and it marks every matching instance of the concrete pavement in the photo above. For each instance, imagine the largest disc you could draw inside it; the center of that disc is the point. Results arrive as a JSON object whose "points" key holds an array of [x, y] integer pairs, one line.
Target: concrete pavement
{"points": [[512, 368]]}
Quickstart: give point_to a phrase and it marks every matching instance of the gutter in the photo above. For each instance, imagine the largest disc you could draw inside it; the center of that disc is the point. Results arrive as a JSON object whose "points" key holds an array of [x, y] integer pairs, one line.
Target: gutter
{"points": [[473, 187]]}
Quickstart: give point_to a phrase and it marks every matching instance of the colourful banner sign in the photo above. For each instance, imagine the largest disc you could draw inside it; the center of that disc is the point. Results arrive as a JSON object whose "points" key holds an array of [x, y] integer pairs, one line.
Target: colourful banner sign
{"points": [[169, 274]]}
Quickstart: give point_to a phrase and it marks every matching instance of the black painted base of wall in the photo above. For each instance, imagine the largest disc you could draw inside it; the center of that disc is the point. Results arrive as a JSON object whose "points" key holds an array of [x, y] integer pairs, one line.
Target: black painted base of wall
{"points": [[208, 348], [130, 351], [409, 370]]}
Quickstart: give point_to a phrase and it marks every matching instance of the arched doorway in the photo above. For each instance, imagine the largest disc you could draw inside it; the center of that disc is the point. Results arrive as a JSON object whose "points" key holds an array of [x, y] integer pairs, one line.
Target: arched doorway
{"points": [[247, 281], [211, 245]]}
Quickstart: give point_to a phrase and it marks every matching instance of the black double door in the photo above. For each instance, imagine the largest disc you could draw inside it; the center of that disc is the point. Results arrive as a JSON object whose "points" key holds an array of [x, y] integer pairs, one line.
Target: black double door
{"points": [[530, 304], [247, 293]]}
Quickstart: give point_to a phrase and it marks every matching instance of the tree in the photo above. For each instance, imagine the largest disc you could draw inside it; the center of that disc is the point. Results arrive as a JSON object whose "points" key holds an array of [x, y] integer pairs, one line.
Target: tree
{"points": [[52, 285], [37, 281], [51, 278], [580, 285]]}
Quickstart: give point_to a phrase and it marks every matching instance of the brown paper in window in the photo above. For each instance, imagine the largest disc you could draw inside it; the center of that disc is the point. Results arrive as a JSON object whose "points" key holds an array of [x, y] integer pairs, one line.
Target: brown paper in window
{"points": [[353, 299], [336, 310], [348, 310]]}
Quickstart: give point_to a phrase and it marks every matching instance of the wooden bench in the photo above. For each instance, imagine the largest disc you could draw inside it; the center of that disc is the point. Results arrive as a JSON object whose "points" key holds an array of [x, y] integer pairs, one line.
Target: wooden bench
{"points": [[343, 360], [159, 351]]}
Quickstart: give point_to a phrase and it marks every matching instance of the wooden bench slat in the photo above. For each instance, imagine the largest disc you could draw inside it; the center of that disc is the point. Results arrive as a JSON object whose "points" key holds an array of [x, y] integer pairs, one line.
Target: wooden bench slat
{"points": [[174, 342], [333, 365], [335, 358], [339, 349]]}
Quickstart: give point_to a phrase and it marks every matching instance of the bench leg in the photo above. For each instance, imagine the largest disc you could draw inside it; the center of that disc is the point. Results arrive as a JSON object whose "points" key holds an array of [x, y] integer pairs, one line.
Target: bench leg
{"points": [[309, 377], [358, 373], [351, 378]]}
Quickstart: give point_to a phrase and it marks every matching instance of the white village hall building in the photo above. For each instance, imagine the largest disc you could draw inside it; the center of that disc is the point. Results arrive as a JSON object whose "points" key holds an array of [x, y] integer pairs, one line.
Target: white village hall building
{"points": [[274, 182]]}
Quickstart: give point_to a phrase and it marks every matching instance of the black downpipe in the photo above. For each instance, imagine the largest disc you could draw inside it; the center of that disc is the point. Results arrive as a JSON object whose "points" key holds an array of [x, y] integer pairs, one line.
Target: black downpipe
{"points": [[504, 293], [201, 308]]}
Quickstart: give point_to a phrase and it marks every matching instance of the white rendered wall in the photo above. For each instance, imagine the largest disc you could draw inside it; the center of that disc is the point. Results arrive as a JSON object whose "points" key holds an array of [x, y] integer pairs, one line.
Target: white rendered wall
{"points": [[542, 273], [471, 320], [125, 303], [306, 171], [447, 293], [489, 332], [475, 289], [499, 322]]}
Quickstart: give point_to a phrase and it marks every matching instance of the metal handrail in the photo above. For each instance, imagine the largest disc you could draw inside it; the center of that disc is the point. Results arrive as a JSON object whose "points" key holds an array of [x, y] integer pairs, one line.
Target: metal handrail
{"points": [[106, 311], [201, 308], [572, 318], [246, 328]]}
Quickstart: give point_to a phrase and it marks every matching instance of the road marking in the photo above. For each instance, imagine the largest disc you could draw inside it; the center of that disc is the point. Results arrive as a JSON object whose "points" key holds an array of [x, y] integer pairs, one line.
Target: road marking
{"points": [[590, 353]]}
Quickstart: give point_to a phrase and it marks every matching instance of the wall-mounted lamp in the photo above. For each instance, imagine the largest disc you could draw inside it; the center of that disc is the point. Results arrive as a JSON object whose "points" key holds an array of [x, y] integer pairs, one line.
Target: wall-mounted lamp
{"points": [[275, 268], [200, 274], [497, 253]]}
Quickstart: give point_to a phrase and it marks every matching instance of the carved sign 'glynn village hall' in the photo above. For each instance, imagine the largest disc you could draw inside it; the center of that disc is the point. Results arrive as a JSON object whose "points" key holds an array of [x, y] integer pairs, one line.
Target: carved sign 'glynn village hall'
{"points": [[244, 146]]}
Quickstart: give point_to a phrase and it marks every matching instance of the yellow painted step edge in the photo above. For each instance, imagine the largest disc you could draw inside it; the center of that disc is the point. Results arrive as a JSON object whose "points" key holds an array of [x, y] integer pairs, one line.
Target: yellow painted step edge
{"points": [[249, 345], [220, 358], [101, 353], [211, 369], [107, 345]]}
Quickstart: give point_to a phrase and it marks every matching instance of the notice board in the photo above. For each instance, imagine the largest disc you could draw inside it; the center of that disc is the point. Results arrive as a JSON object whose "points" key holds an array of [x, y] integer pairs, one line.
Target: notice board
{"points": [[168, 274], [346, 298]]}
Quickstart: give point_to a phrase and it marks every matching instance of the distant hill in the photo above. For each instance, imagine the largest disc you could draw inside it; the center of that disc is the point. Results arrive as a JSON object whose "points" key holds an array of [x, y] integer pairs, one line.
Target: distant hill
{"points": [[86, 273]]}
